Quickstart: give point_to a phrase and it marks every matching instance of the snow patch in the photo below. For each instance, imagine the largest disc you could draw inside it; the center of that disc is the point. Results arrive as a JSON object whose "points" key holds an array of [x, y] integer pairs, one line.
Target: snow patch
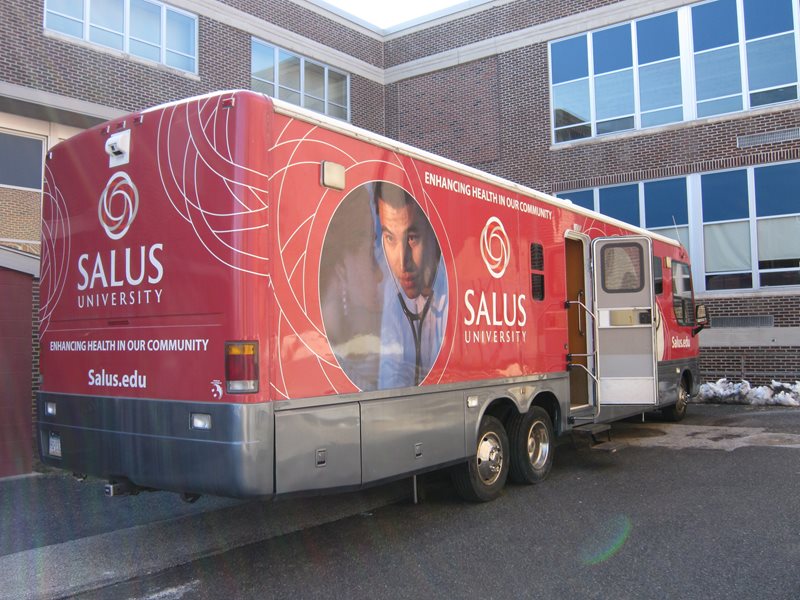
{"points": [[727, 392]]}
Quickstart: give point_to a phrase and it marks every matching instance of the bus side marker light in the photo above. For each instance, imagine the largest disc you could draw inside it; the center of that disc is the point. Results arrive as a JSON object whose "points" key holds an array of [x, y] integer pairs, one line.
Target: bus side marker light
{"points": [[50, 409]]}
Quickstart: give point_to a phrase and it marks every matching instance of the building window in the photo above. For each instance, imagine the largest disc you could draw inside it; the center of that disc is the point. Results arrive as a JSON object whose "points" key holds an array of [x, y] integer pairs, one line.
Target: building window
{"points": [[778, 224], [746, 222], [582, 198], [21, 166], [621, 202], [666, 209], [726, 230], [737, 55], [299, 80], [143, 28]]}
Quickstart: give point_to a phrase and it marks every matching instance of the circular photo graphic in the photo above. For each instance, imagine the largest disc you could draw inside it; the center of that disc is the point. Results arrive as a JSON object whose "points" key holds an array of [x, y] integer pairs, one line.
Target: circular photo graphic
{"points": [[383, 288]]}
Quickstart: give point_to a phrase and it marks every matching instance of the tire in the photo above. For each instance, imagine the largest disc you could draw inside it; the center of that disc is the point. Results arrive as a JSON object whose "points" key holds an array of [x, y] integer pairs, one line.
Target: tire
{"points": [[677, 411], [532, 446], [482, 478]]}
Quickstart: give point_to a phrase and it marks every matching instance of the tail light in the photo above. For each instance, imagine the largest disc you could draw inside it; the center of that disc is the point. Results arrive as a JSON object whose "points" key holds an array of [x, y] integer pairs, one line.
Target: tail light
{"points": [[241, 367]]}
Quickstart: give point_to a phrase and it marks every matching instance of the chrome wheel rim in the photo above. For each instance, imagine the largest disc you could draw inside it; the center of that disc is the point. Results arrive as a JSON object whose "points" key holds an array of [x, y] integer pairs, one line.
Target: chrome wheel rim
{"points": [[538, 445], [683, 400], [489, 458]]}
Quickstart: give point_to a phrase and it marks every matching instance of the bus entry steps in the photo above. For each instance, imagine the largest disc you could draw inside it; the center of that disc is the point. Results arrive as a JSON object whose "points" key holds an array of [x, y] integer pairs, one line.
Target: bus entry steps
{"points": [[594, 430]]}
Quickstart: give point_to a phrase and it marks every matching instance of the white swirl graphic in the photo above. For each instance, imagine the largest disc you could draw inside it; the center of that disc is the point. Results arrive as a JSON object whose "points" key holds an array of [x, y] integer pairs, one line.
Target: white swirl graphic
{"points": [[119, 203], [495, 247]]}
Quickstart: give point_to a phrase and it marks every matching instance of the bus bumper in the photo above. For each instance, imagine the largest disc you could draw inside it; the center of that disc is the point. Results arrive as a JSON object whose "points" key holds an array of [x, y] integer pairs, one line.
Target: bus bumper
{"points": [[153, 444]]}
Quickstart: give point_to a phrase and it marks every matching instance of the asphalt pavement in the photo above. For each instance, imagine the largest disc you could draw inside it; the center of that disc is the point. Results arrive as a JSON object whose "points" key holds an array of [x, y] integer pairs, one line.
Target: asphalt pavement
{"points": [[60, 536]]}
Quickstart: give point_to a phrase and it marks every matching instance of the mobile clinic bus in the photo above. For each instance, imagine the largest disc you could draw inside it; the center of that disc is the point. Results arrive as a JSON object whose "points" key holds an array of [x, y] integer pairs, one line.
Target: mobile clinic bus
{"points": [[240, 297]]}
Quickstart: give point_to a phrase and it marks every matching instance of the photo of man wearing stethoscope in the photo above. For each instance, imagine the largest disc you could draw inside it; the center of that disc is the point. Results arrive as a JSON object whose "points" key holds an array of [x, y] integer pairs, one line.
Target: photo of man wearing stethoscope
{"points": [[383, 288]]}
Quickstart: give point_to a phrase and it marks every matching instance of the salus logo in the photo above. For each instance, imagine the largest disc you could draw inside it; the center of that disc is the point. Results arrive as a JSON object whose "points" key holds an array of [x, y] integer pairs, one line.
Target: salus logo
{"points": [[118, 206], [495, 247]]}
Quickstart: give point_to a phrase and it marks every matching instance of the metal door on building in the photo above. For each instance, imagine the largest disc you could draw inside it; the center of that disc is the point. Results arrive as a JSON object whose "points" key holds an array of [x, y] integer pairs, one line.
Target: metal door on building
{"points": [[624, 328]]}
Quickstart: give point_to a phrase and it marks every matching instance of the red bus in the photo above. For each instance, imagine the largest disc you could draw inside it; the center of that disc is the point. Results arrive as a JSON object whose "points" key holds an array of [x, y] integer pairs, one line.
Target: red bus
{"points": [[243, 298]]}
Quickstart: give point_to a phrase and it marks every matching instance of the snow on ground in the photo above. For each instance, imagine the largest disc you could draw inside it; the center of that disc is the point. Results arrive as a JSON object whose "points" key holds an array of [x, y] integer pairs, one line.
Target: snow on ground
{"points": [[727, 392]]}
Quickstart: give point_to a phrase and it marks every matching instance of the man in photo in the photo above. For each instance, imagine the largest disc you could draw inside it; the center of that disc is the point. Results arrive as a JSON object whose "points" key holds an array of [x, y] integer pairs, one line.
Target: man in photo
{"points": [[415, 293]]}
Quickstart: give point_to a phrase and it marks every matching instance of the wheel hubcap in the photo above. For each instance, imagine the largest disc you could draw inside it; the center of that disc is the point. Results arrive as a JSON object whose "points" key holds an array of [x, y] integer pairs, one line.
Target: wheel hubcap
{"points": [[490, 458], [538, 445]]}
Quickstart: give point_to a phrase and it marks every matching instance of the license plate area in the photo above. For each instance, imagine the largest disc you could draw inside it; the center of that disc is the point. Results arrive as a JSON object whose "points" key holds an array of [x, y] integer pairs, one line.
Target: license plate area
{"points": [[54, 445]]}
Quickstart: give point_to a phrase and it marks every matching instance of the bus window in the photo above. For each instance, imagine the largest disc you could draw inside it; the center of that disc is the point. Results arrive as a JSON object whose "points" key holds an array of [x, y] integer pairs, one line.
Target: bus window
{"points": [[682, 297]]}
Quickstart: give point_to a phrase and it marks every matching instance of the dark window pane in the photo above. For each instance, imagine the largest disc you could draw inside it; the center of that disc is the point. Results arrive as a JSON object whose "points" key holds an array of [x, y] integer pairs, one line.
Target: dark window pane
{"points": [[772, 96], [573, 133], [615, 125], [612, 49], [714, 24], [665, 203], [22, 161], [780, 278], [766, 17], [621, 202], [786, 263], [584, 198], [657, 38], [570, 59], [730, 281], [724, 196], [777, 190]]}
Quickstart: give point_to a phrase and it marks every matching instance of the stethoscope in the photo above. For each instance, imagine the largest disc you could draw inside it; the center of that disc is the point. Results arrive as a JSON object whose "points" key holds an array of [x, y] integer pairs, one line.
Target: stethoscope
{"points": [[415, 320]]}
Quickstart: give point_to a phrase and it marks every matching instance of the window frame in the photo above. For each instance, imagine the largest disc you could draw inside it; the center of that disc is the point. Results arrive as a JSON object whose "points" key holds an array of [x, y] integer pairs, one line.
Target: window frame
{"points": [[164, 50], [302, 92]]}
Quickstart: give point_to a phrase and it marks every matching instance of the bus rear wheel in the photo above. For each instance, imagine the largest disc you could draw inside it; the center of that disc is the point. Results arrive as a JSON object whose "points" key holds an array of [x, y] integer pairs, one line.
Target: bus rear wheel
{"points": [[532, 446], [483, 477]]}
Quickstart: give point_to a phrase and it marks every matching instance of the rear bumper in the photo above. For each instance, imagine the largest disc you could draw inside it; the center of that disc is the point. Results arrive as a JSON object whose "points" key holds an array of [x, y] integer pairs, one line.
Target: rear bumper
{"points": [[151, 443]]}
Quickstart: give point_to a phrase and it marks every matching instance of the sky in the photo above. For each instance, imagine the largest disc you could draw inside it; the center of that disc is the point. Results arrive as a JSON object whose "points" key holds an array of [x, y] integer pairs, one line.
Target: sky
{"points": [[388, 14]]}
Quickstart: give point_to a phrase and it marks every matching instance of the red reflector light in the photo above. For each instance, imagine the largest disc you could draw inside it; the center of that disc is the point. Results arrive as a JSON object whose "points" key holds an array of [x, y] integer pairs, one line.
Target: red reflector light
{"points": [[241, 367]]}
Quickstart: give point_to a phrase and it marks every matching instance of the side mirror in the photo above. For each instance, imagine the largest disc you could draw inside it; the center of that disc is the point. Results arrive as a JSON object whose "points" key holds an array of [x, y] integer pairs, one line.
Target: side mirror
{"points": [[700, 318]]}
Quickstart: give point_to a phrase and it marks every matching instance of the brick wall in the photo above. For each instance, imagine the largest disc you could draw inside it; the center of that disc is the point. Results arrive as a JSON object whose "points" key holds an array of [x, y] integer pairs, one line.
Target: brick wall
{"points": [[20, 217], [483, 25], [757, 364], [453, 113]]}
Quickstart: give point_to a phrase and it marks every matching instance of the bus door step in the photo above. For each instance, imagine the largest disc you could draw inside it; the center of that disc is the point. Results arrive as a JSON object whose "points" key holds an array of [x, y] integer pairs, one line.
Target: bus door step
{"points": [[595, 430]]}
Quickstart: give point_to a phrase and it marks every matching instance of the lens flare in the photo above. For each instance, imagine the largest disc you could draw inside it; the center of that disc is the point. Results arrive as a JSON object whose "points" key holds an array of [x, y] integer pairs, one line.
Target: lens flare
{"points": [[608, 539]]}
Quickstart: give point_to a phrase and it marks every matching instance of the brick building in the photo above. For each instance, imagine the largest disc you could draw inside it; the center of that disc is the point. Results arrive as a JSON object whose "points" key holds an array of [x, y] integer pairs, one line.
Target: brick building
{"points": [[675, 115]]}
